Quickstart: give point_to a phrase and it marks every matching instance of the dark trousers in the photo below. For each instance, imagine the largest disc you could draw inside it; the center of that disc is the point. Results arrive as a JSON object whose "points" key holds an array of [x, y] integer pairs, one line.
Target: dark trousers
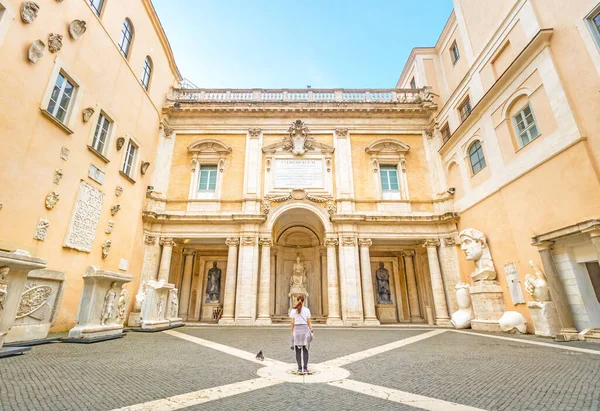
{"points": [[299, 352]]}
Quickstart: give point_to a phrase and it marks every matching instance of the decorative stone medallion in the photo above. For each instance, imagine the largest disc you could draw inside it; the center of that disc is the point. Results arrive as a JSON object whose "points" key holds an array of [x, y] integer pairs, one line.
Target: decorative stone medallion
{"points": [[36, 51], [64, 153], [109, 226], [144, 167], [118, 191], [29, 11], [120, 143], [87, 114], [42, 229], [58, 175], [106, 248], [115, 209], [34, 298], [54, 42], [51, 200], [77, 28]]}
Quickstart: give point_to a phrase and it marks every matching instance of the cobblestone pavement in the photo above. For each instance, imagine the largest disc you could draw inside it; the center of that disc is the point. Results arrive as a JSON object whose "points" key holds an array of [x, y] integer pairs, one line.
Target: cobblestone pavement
{"points": [[395, 369]]}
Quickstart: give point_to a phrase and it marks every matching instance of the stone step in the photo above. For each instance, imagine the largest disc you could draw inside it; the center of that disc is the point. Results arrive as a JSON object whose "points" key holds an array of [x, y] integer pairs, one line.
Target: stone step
{"points": [[592, 335]]}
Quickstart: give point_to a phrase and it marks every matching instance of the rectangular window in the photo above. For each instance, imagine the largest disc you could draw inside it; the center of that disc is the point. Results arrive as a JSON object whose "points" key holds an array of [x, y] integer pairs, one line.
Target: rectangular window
{"points": [[129, 162], [526, 126], [445, 131], [101, 134], [208, 178], [97, 6], [413, 83], [454, 52], [465, 109], [61, 98], [389, 178]]}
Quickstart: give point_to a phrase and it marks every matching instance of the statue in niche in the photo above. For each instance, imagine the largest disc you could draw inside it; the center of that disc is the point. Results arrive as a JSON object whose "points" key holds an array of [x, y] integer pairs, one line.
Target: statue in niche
{"points": [[109, 304], [298, 277], [383, 284], [474, 244], [159, 308], [123, 301], [213, 285]]}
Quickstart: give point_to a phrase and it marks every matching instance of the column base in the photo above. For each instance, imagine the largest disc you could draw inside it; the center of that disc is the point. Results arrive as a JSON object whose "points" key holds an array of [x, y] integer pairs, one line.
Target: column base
{"points": [[443, 322], [244, 321], [567, 334], [226, 321], [334, 321], [371, 322], [263, 321]]}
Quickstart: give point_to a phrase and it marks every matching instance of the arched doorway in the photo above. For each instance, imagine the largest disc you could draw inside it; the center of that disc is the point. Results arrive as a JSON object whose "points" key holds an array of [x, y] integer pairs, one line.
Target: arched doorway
{"points": [[298, 233]]}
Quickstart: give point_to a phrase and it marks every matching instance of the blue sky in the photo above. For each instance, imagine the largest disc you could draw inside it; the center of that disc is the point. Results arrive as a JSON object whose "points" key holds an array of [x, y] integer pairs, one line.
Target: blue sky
{"points": [[293, 43]]}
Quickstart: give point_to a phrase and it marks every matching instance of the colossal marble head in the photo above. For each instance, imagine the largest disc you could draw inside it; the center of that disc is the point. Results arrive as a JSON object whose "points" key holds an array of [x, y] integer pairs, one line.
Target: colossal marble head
{"points": [[472, 243]]}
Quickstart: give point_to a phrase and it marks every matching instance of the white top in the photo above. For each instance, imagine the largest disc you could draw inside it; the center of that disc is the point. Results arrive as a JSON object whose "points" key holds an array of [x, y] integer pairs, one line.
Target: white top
{"points": [[305, 312]]}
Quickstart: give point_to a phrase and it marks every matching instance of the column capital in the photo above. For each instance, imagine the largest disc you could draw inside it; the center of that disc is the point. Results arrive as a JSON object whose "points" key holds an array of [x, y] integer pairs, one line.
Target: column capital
{"points": [[341, 132], [543, 245], [150, 239], [167, 241], [431, 243], [247, 240], [232, 242], [348, 241], [365, 242], [254, 132], [407, 253], [449, 241], [331, 242], [265, 241], [189, 251]]}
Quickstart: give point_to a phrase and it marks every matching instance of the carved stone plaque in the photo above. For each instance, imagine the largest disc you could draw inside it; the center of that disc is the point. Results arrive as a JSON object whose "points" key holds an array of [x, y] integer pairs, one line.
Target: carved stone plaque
{"points": [[296, 173], [85, 218]]}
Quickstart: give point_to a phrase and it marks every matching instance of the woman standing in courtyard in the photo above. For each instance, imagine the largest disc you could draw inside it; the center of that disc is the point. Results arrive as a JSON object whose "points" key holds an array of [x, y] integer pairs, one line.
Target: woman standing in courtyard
{"points": [[302, 333]]}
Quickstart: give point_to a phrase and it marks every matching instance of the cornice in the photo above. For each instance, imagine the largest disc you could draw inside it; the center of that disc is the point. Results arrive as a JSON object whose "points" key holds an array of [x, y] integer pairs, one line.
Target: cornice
{"points": [[168, 218], [162, 36], [406, 219]]}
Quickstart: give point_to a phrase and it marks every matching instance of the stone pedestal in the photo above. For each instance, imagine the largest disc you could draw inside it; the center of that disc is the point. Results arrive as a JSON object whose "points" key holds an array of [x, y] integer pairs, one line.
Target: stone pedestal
{"points": [[386, 313], [545, 318], [38, 307], [488, 305], [173, 308], [98, 306], [14, 268], [208, 310], [154, 312]]}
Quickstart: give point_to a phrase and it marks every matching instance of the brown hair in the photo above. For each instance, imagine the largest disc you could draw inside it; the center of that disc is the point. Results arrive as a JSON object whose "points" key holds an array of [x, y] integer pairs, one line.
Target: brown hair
{"points": [[300, 303]]}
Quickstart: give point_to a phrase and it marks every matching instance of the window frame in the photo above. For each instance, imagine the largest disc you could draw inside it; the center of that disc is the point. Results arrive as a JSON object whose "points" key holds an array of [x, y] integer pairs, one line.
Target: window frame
{"points": [[60, 98], [454, 53], [127, 23], [69, 120], [101, 112], [445, 138], [480, 159], [387, 169], [97, 12], [465, 115], [133, 172], [213, 171], [147, 63], [527, 128], [592, 26]]}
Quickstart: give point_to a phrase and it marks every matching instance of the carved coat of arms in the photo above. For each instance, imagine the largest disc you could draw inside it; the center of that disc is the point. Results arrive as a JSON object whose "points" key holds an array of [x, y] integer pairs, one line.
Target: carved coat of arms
{"points": [[299, 139]]}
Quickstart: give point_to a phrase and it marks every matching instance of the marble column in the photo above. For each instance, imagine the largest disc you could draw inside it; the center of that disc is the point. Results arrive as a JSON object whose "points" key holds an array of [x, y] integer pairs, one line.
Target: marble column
{"points": [[367, 282], [411, 283], [352, 306], [264, 287], [437, 283], [165, 258], [186, 283], [230, 280], [333, 289], [323, 269], [557, 291], [247, 281]]}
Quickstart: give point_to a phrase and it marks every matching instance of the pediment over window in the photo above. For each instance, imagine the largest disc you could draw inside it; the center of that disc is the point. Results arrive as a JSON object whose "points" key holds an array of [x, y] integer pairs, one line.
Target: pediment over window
{"points": [[387, 145], [209, 146], [284, 145]]}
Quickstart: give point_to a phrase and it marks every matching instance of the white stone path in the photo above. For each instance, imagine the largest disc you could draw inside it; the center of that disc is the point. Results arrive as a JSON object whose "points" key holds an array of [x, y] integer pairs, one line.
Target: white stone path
{"points": [[329, 372]]}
